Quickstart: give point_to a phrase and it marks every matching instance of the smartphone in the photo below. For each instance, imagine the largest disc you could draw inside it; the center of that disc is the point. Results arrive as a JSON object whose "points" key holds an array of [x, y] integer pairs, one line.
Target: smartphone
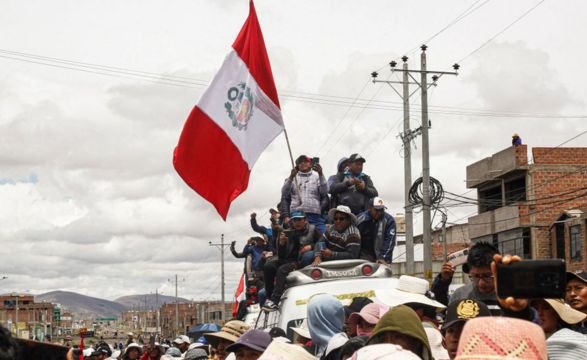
{"points": [[528, 279], [315, 160], [458, 257]]}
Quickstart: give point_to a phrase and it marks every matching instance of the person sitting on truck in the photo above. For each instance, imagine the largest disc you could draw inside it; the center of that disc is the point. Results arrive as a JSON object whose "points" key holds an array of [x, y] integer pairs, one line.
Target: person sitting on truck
{"points": [[255, 253], [270, 232], [294, 250], [377, 229], [342, 240]]}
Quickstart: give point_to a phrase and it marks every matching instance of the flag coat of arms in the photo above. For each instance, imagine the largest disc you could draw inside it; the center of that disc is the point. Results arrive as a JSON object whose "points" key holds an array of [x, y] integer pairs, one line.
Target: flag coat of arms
{"points": [[236, 118]]}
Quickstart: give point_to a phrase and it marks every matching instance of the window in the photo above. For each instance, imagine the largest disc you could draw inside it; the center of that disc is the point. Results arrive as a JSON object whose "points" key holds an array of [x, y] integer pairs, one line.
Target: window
{"points": [[575, 242]]}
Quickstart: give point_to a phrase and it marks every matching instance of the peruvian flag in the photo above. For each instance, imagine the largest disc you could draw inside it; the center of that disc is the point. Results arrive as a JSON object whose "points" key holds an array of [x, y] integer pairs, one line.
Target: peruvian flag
{"points": [[239, 295], [236, 118]]}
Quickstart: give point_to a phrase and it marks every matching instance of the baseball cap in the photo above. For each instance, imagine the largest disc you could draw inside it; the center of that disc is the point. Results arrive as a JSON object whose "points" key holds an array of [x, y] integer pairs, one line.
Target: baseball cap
{"points": [[181, 339], [463, 310], [302, 158], [377, 203], [356, 157], [298, 214], [254, 339]]}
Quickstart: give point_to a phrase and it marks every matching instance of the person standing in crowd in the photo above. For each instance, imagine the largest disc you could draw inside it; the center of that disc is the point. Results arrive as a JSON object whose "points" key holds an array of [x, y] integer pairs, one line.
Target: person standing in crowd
{"points": [[250, 345], [353, 188], [342, 240], [228, 334], [303, 190], [576, 291], [481, 287], [325, 315], [130, 338], [364, 322], [401, 326], [457, 314], [132, 352], [377, 229], [554, 315], [182, 342], [294, 247]]}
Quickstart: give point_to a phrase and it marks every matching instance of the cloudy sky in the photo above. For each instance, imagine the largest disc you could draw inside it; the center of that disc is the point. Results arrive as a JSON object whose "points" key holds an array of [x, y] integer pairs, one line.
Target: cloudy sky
{"points": [[94, 94]]}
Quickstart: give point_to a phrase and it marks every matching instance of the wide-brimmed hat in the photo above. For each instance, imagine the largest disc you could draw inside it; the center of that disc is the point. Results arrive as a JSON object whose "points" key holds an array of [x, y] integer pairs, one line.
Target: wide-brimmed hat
{"points": [[231, 331], [370, 313], [278, 350], [565, 311], [409, 290], [463, 310], [342, 209], [579, 275], [134, 345], [253, 339], [495, 337], [302, 330]]}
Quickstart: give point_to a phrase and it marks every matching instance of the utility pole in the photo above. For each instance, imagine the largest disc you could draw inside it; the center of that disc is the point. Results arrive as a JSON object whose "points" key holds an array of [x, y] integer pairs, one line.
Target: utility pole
{"points": [[158, 312], [407, 136], [176, 309], [221, 247]]}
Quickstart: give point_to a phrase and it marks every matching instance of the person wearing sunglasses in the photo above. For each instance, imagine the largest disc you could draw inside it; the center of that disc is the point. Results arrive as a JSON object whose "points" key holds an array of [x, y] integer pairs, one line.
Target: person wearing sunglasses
{"points": [[342, 240]]}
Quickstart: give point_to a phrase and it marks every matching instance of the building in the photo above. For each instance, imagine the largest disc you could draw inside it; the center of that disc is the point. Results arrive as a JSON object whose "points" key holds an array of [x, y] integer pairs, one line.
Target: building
{"points": [[568, 236], [26, 318], [519, 201], [191, 314]]}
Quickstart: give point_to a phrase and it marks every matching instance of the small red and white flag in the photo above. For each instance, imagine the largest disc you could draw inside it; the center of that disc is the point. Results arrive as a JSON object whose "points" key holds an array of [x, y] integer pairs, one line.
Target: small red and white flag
{"points": [[239, 295], [237, 117]]}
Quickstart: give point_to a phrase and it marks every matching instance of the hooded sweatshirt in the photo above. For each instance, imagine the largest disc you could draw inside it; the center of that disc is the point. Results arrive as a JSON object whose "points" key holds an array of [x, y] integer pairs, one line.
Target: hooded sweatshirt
{"points": [[403, 320], [325, 319]]}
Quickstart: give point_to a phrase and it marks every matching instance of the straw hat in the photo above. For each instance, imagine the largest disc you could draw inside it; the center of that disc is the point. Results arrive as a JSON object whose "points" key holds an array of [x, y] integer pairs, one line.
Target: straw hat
{"points": [[565, 311], [231, 331], [384, 352], [345, 210], [501, 338]]}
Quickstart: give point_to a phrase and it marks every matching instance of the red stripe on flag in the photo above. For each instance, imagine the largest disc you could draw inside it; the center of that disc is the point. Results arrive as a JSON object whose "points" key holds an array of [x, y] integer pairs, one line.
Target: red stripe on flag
{"points": [[250, 47], [208, 161]]}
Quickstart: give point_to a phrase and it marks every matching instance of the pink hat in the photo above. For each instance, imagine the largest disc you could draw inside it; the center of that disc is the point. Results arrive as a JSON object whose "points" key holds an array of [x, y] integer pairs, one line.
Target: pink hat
{"points": [[501, 338], [371, 313]]}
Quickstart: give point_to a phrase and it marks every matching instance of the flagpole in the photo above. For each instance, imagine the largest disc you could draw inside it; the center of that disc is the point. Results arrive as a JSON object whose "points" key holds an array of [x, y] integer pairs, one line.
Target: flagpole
{"points": [[292, 162]]}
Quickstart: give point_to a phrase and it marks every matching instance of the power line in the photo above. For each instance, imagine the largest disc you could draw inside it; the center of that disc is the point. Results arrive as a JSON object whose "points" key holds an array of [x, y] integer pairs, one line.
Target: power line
{"points": [[503, 30]]}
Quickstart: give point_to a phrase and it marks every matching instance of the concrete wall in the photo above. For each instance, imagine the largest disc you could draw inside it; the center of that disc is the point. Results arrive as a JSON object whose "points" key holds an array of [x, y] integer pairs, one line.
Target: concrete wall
{"points": [[509, 159]]}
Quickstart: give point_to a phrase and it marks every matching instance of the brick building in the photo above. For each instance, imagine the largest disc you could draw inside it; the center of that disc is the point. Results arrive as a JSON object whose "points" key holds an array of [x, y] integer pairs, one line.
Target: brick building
{"points": [[191, 314], [568, 234], [520, 201], [26, 318]]}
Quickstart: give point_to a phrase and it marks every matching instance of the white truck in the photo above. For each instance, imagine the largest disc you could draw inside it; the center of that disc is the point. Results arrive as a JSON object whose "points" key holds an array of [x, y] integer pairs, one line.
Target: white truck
{"points": [[345, 279]]}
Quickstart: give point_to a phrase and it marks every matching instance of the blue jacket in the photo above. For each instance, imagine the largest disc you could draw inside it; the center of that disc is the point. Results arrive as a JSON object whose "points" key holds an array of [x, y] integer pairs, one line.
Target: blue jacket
{"points": [[255, 251], [385, 234]]}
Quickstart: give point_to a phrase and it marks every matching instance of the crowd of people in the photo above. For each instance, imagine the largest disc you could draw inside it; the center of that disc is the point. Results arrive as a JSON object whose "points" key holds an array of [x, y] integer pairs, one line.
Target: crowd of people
{"points": [[318, 220]]}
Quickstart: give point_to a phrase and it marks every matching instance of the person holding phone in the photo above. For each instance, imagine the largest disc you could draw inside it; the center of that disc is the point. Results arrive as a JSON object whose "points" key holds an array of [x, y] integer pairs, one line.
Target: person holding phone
{"points": [[353, 188], [304, 190]]}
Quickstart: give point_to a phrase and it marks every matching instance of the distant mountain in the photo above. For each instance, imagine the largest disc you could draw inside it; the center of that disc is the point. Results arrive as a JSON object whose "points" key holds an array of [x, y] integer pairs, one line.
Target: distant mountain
{"points": [[147, 301], [83, 306]]}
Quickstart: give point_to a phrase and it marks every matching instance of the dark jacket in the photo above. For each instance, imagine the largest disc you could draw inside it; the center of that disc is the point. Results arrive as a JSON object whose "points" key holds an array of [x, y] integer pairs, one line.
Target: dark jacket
{"points": [[296, 240], [384, 236], [349, 195]]}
